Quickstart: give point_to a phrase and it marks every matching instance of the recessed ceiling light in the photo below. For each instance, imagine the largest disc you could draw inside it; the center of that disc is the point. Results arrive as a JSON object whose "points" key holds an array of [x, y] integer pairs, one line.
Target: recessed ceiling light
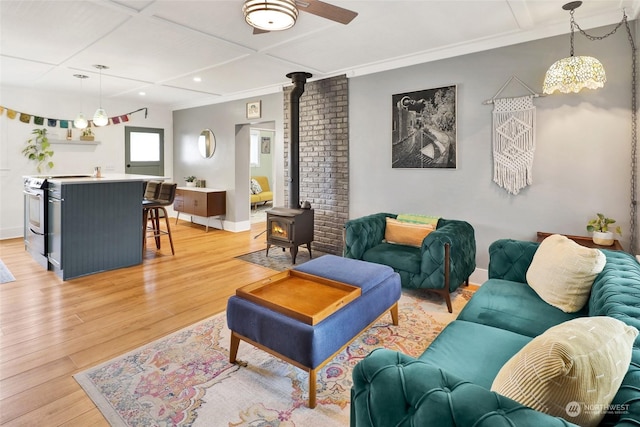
{"points": [[142, 93], [197, 79]]}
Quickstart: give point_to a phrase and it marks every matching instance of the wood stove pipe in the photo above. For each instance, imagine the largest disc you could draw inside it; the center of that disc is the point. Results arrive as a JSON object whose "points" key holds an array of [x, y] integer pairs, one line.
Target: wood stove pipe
{"points": [[299, 78]]}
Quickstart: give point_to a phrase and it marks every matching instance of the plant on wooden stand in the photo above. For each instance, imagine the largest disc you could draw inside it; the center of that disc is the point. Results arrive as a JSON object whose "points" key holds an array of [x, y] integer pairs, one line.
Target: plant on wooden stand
{"points": [[87, 135], [39, 149], [600, 228]]}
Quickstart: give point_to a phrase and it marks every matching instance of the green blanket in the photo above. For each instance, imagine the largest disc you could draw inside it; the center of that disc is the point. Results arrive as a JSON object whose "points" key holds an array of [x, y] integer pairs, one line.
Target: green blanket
{"points": [[419, 219]]}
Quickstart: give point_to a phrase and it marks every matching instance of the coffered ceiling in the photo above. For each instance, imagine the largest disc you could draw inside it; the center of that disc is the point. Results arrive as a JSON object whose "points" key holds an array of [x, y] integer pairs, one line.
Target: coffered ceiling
{"points": [[161, 47]]}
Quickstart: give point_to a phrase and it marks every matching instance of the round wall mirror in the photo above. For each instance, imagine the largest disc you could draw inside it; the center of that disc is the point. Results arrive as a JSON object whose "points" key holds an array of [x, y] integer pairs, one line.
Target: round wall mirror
{"points": [[207, 143]]}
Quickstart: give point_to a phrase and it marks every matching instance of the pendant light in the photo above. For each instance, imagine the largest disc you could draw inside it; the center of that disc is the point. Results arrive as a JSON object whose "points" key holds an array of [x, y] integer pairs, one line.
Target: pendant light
{"points": [[270, 15], [574, 73], [100, 117], [80, 121]]}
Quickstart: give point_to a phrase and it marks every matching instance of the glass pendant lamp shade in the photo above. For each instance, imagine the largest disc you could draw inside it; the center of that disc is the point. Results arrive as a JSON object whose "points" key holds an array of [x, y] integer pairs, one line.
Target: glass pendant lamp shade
{"points": [[80, 122], [573, 74], [270, 15], [100, 117]]}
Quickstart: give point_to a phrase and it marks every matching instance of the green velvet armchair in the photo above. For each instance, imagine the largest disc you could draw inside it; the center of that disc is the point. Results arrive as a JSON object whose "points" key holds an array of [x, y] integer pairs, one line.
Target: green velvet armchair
{"points": [[443, 262]]}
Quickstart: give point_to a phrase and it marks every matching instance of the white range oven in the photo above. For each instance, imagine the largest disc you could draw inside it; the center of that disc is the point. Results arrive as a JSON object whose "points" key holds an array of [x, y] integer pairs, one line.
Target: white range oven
{"points": [[35, 218]]}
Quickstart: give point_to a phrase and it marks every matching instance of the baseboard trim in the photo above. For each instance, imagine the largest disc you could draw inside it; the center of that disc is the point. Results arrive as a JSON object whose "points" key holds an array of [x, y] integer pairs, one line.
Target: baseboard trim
{"points": [[479, 276]]}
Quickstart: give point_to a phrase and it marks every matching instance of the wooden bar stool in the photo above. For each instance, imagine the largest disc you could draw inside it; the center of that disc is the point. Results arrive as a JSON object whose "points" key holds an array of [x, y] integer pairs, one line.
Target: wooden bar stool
{"points": [[164, 196], [151, 191]]}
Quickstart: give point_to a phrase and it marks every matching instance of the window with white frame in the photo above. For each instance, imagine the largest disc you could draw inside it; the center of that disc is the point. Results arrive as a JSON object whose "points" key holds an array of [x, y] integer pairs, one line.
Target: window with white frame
{"points": [[254, 155]]}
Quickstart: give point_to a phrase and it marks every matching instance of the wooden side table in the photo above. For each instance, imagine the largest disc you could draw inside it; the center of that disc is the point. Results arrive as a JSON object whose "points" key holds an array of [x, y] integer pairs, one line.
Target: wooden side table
{"points": [[583, 240]]}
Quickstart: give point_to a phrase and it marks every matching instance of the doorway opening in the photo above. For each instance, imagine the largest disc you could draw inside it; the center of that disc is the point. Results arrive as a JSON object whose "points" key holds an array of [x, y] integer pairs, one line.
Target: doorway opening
{"points": [[261, 156]]}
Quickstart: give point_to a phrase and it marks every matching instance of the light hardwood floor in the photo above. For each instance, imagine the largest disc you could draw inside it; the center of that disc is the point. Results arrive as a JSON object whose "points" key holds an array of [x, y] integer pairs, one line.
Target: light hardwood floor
{"points": [[50, 329]]}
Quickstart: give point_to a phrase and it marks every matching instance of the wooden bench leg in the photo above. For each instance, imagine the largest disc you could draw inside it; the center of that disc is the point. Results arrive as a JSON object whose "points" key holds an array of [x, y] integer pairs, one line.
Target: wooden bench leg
{"points": [[233, 348], [312, 388], [394, 314]]}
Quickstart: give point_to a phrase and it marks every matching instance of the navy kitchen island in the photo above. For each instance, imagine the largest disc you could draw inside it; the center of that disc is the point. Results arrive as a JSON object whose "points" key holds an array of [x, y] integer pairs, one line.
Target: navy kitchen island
{"points": [[94, 224]]}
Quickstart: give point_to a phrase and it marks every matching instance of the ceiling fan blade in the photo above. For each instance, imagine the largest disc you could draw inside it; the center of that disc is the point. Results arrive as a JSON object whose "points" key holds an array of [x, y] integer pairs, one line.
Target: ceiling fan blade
{"points": [[326, 10], [259, 31]]}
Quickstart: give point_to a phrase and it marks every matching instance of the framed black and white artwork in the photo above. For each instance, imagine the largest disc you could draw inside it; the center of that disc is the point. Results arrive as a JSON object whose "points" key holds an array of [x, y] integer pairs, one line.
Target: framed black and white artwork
{"points": [[265, 144], [424, 129], [254, 110]]}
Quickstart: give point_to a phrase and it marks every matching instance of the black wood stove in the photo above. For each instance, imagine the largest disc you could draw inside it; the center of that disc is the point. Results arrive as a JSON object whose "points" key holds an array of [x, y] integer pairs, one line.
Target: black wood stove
{"points": [[293, 226], [290, 228]]}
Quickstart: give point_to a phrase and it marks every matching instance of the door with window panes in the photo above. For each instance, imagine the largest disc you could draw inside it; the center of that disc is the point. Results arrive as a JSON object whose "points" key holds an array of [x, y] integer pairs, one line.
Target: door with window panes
{"points": [[144, 151]]}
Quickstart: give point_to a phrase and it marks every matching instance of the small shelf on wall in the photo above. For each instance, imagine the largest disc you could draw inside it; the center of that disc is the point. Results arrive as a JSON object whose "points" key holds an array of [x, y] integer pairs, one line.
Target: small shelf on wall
{"points": [[73, 142]]}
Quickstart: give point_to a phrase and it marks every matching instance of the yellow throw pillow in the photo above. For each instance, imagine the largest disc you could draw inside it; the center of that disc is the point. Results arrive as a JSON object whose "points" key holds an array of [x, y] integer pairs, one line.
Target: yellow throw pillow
{"points": [[405, 233], [573, 370], [562, 272]]}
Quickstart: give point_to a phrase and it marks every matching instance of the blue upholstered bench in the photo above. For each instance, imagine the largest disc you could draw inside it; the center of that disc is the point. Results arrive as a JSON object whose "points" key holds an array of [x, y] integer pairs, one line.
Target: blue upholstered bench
{"points": [[310, 347]]}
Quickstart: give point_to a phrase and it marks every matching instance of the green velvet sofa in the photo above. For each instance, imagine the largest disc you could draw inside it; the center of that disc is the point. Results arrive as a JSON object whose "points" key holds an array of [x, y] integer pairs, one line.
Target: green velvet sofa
{"points": [[449, 384], [445, 260]]}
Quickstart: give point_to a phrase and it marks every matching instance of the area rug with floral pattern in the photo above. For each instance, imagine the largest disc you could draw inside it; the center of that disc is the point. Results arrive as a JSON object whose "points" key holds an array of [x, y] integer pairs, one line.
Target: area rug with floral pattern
{"points": [[185, 379]]}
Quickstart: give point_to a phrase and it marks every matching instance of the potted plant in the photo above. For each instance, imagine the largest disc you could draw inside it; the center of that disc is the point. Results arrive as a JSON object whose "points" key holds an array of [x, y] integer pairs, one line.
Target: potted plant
{"points": [[600, 228], [87, 135], [191, 181], [39, 149]]}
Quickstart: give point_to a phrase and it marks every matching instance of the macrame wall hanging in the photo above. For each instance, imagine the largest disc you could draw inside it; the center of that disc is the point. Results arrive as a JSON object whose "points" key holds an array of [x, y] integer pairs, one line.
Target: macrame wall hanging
{"points": [[514, 142]]}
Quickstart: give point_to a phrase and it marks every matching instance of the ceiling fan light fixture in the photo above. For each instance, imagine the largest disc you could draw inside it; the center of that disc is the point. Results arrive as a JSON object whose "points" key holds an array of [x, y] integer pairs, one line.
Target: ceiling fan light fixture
{"points": [[270, 15], [573, 74]]}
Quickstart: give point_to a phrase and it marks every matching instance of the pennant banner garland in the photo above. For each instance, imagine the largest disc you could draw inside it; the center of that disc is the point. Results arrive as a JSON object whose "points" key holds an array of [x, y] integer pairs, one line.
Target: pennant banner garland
{"points": [[64, 124]]}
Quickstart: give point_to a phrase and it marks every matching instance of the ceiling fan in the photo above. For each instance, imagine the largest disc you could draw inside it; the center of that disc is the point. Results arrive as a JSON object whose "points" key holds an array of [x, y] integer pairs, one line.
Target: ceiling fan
{"points": [[276, 15]]}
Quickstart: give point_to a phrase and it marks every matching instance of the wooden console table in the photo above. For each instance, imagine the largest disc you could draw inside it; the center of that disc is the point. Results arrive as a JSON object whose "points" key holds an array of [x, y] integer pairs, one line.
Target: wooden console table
{"points": [[204, 202], [584, 241]]}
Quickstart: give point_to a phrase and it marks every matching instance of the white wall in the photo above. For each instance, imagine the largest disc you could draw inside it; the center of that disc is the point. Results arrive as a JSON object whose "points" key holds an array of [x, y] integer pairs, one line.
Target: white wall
{"points": [[109, 154], [582, 158]]}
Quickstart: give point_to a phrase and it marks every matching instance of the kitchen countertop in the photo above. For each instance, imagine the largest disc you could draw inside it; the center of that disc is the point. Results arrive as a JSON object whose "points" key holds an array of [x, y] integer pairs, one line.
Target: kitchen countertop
{"points": [[106, 177]]}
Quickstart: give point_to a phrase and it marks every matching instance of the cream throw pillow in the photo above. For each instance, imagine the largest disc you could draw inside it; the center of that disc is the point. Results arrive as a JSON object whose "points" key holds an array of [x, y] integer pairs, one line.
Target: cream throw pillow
{"points": [[405, 233], [256, 188], [573, 370], [562, 272]]}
